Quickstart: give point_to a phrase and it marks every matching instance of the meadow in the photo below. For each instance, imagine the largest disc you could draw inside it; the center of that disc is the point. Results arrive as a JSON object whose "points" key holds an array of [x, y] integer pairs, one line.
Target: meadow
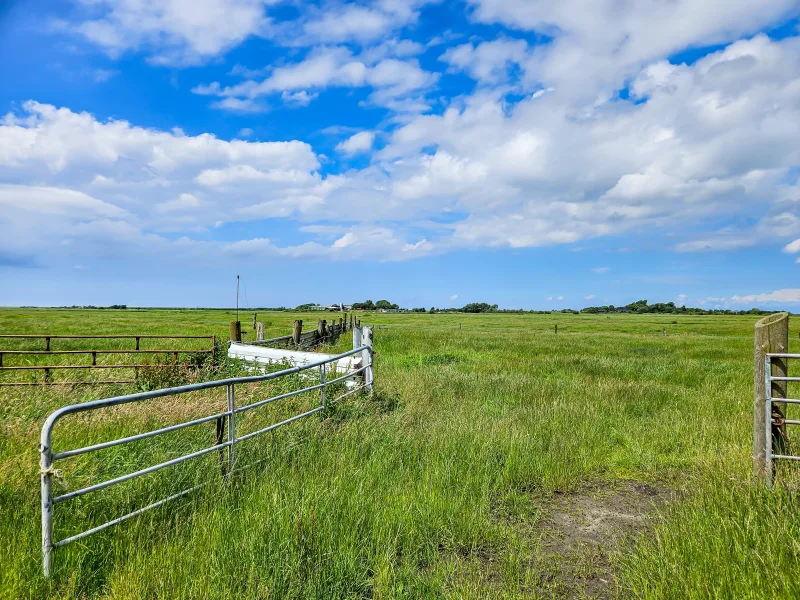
{"points": [[486, 434]]}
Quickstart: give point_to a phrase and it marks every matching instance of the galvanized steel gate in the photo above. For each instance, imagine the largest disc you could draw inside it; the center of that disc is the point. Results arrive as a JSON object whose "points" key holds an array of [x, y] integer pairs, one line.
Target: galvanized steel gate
{"points": [[777, 447], [362, 354]]}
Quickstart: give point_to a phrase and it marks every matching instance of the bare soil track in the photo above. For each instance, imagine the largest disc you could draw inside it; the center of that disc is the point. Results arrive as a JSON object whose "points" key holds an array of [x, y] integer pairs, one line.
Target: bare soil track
{"points": [[582, 530]]}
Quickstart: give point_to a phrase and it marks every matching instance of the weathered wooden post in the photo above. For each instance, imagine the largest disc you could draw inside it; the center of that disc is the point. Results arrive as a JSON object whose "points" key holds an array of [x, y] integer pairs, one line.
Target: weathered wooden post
{"points": [[341, 326], [321, 329], [259, 332], [255, 315], [236, 331], [771, 336], [556, 328], [665, 332], [297, 331]]}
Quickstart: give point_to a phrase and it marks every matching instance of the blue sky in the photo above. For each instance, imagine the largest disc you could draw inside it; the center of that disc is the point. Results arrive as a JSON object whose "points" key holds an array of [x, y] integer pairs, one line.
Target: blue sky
{"points": [[531, 154]]}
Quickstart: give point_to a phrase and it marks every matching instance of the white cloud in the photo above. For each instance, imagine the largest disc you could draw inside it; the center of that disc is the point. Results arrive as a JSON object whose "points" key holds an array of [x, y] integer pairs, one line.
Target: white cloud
{"points": [[487, 62], [540, 173], [560, 298], [357, 144], [785, 295], [792, 247], [601, 269], [589, 297], [549, 298], [245, 132], [454, 297], [598, 45], [337, 22], [703, 142], [392, 79], [351, 22], [103, 75], [182, 203], [301, 98], [71, 184], [172, 30], [239, 105], [721, 244]]}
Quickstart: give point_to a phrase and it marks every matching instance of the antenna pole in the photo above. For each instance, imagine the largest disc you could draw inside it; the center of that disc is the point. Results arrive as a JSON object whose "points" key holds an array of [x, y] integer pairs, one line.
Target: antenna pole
{"points": [[237, 297]]}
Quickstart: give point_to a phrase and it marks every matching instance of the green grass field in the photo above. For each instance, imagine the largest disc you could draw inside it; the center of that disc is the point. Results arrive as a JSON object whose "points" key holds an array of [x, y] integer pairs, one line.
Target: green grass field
{"points": [[440, 486]]}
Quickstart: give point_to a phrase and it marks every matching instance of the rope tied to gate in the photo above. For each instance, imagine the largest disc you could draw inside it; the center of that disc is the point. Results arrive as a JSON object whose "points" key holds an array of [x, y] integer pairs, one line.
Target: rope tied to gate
{"points": [[56, 474]]}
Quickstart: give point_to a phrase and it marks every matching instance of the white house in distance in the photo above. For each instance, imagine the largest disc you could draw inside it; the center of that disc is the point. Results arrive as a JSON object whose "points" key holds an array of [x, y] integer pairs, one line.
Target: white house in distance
{"points": [[337, 307]]}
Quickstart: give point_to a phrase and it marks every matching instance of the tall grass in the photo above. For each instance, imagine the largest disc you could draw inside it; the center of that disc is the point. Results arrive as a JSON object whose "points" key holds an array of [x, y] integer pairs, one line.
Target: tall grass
{"points": [[430, 489]]}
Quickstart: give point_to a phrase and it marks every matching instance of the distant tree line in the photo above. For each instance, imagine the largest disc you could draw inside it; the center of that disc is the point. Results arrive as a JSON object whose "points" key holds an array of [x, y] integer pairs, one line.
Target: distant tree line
{"points": [[380, 304], [642, 307], [90, 306], [638, 307]]}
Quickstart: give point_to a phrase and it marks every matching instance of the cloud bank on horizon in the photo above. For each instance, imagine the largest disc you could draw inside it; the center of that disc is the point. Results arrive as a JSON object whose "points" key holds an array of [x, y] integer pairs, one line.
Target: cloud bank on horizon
{"points": [[396, 130]]}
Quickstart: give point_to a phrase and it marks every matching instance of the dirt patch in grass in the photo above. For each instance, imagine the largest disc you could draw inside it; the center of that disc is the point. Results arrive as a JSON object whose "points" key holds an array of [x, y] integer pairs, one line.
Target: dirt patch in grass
{"points": [[581, 531]]}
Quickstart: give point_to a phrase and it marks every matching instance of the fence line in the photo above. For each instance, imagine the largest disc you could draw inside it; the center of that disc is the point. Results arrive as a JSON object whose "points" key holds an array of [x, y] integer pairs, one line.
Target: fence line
{"points": [[228, 417], [324, 332], [94, 353]]}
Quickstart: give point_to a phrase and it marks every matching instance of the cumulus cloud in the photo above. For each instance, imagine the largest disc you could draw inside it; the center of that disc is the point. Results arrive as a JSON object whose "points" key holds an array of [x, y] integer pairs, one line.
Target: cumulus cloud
{"points": [[393, 80], [454, 297], [172, 31], [563, 160], [539, 173], [358, 143], [597, 46], [73, 181], [791, 295], [487, 62], [589, 297]]}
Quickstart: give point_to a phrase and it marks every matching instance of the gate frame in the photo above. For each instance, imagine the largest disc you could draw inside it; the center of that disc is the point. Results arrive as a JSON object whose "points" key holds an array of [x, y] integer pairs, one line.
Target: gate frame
{"points": [[48, 457]]}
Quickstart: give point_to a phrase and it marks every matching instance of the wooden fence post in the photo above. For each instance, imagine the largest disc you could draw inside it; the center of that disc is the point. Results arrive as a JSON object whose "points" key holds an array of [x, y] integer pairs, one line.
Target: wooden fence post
{"points": [[259, 332], [771, 336], [321, 329], [255, 315], [236, 331], [297, 331], [556, 328]]}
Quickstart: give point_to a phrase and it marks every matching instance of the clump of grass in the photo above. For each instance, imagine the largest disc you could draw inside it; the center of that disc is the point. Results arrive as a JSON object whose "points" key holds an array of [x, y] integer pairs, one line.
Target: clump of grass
{"points": [[727, 539]]}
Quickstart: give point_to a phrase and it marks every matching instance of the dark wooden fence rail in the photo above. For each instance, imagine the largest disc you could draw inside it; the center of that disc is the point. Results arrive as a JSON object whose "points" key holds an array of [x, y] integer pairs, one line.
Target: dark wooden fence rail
{"points": [[325, 332], [48, 351]]}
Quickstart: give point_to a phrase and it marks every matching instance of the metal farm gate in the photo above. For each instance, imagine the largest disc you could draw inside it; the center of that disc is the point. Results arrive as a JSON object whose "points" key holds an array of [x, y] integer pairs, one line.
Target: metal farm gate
{"points": [[772, 398], [358, 375]]}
